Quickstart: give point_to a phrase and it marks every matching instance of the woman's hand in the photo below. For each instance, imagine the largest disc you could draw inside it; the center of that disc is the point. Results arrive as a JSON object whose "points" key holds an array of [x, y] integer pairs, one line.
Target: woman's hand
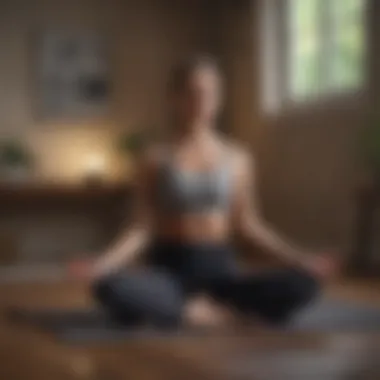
{"points": [[83, 270], [323, 266]]}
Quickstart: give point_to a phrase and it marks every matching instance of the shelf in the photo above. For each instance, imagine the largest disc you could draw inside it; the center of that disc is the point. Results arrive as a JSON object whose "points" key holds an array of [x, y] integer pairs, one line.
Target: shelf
{"points": [[51, 196]]}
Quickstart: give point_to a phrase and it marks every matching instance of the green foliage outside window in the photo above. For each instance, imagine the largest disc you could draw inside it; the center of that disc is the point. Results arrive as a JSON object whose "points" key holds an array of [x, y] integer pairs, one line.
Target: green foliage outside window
{"points": [[326, 46]]}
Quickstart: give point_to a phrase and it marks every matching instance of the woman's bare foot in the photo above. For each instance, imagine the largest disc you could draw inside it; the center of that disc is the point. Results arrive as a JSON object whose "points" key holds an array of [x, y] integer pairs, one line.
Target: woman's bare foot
{"points": [[203, 311]]}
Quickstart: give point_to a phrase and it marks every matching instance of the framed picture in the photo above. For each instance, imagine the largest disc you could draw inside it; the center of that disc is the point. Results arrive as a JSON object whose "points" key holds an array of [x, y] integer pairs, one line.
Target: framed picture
{"points": [[71, 74]]}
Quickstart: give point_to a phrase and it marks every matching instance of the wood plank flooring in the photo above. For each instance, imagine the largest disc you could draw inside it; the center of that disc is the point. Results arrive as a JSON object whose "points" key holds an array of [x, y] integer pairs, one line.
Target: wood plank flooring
{"points": [[264, 355]]}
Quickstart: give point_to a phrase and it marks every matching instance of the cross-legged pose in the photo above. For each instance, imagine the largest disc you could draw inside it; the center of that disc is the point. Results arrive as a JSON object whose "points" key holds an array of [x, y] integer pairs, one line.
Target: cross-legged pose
{"points": [[194, 191]]}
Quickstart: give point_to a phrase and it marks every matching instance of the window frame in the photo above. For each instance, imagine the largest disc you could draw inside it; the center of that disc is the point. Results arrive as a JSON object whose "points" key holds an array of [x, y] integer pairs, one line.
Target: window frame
{"points": [[276, 17]]}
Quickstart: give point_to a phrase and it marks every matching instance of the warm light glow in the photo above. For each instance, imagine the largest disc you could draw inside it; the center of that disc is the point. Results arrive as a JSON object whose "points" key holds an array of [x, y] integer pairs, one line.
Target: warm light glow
{"points": [[95, 164]]}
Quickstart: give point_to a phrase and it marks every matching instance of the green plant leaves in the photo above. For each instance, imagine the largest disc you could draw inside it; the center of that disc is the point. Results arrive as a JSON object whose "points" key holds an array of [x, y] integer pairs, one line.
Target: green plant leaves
{"points": [[14, 153], [133, 142]]}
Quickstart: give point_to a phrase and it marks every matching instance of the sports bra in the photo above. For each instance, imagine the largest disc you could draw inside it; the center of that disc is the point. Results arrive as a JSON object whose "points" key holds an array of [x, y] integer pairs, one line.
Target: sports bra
{"points": [[179, 191]]}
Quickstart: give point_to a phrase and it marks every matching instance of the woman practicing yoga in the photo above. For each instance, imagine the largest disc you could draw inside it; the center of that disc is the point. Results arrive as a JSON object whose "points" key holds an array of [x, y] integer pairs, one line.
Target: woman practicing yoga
{"points": [[193, 192]]}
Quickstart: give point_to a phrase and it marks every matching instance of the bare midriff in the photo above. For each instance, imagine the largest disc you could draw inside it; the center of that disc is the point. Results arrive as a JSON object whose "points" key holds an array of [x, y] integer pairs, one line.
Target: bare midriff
{"points": [[213, 227]]}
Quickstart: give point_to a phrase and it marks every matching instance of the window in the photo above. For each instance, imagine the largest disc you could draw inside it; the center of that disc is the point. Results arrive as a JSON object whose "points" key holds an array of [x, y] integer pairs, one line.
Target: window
{"points": [[318, 47]]}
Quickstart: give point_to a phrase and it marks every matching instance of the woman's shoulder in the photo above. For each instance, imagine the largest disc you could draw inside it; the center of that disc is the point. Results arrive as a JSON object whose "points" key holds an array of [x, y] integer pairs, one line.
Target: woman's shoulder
{"points": [[240, 153]]}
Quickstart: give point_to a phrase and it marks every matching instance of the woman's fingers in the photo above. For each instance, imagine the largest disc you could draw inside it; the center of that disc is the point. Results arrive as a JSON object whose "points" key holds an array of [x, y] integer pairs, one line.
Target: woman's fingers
{"points": [[80, 269], [323, 265]]}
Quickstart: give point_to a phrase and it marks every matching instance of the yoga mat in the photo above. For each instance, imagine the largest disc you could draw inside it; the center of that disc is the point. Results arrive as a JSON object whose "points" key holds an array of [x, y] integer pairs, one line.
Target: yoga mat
{"points": [[329, 315], [85, 326], [94, 325]]}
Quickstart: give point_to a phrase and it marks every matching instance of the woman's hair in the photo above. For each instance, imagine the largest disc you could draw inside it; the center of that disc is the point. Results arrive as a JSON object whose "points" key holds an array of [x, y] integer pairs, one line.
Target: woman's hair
{"points": [[181, 72]]}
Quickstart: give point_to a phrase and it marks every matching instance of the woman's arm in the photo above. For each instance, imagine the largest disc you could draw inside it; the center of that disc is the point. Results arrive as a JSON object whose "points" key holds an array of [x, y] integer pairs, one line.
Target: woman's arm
{"points": [[135, 238], [250, 223]]}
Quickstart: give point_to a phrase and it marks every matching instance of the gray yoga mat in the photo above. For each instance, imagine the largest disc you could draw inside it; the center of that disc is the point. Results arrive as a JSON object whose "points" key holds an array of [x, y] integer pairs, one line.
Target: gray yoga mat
{"points": [[329, 315], [85, 326], [92, 325]]}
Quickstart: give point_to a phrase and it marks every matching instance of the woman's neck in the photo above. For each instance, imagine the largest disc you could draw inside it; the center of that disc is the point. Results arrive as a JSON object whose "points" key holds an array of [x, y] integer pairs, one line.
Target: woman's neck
{"points": [[197, 133]]}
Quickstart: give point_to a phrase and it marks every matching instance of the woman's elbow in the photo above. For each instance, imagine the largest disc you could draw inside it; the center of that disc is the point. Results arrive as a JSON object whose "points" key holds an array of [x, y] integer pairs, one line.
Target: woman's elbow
{"points": [[243, 226]]}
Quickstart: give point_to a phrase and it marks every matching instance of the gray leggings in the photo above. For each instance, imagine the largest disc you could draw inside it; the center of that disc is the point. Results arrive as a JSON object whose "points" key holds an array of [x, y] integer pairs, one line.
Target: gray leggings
{"points": [[158, 294]]}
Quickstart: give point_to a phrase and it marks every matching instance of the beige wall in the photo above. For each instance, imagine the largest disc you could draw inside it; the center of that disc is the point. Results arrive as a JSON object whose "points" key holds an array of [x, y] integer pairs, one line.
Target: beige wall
{"points": [[306, 160], [145, 37], [306, 163]]}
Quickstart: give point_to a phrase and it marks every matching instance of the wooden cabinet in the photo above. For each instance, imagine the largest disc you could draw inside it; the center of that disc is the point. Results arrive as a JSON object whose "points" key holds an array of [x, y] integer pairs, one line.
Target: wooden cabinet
{"points": [[48, 223]]}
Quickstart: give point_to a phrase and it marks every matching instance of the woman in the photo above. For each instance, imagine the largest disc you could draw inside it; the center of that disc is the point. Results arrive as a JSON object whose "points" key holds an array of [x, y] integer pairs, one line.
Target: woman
{"points": [[193, 192]]}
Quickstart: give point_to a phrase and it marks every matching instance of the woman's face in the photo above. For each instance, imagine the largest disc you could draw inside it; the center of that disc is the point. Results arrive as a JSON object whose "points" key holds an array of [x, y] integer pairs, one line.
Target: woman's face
{"points": [[200, 99]]}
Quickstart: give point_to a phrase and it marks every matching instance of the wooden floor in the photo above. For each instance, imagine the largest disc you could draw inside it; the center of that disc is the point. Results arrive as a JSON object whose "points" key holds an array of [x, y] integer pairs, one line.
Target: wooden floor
{"points": [[264, 355]]}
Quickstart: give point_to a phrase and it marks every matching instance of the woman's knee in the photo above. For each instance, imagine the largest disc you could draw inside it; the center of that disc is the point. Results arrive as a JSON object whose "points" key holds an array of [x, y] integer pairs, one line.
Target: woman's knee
{"points": [[304, 287], [154, 296], [116, 287], [103, 288]]}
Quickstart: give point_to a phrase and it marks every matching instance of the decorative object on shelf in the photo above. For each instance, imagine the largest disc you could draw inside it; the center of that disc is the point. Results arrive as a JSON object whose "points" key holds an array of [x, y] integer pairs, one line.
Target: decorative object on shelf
{"points": [[71, 73], [132, 143], [95, 170], [16, 162]]}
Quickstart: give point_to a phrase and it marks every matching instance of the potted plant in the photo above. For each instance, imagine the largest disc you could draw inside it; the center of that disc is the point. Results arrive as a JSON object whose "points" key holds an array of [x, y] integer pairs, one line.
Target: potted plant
{"points": [[130, 145], [15, 161]]}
